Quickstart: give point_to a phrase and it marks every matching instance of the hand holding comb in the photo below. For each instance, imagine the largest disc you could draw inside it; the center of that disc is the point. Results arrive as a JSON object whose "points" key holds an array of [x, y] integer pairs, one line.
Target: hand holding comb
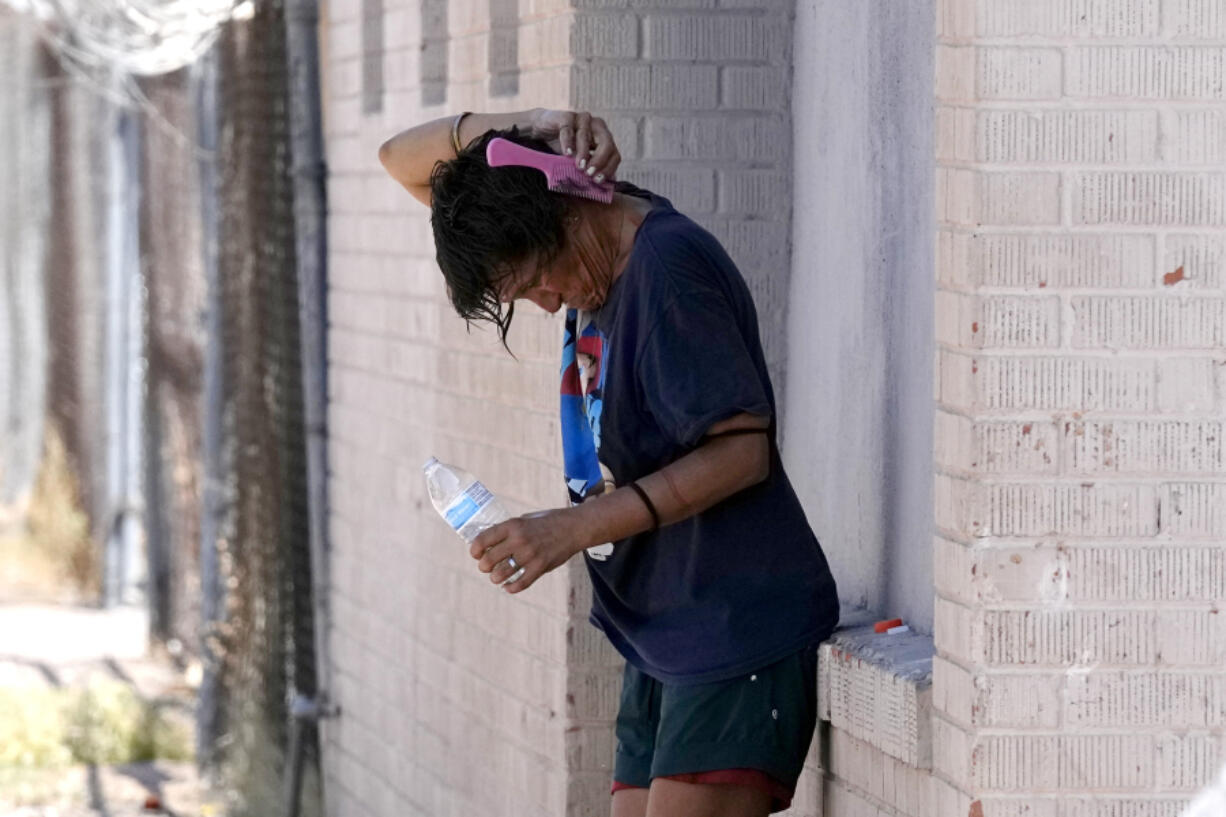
{"points": [[561, 175]]}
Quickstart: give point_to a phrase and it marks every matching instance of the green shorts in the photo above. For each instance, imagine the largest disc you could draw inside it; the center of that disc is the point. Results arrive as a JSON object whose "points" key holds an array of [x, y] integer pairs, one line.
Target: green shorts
{"points": [[761, 722]]}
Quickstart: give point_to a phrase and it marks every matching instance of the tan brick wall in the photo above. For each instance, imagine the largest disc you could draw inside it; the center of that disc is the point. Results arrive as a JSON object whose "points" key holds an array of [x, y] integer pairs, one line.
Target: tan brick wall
{"points": [[456, 699], [1080, 313], [694, 90]]}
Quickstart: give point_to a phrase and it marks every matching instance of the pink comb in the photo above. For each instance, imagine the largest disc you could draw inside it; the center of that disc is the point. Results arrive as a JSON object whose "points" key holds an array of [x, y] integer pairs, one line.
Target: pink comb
{"points": [[561, 175]]}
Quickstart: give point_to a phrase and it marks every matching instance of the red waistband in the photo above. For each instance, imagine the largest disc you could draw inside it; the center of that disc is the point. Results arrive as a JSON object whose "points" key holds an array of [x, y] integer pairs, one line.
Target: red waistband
{"points": [[781, 795]]}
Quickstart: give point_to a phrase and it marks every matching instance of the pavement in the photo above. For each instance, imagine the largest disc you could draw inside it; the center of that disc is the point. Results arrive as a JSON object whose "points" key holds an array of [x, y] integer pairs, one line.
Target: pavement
{"points": [[64, 647]]}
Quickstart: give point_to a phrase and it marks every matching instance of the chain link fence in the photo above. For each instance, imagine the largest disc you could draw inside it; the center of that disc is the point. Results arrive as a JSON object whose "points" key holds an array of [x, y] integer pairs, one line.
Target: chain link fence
{"points": [[266, 627]]}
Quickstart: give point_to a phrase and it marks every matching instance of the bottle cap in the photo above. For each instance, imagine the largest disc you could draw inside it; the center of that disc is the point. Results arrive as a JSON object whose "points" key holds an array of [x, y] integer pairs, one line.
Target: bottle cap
{"points": [[430, 463]]}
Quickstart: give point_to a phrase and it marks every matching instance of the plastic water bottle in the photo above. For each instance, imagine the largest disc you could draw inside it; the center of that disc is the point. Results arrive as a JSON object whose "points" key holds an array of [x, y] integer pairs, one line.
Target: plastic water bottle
{"points": [[466, 504]]}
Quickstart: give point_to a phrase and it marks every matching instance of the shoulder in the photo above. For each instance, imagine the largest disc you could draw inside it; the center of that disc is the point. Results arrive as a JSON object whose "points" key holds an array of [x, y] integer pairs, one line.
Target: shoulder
{"points": [[683, 257]]}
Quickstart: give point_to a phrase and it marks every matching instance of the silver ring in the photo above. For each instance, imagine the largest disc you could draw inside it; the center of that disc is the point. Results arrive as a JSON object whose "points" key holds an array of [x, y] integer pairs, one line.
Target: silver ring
{"points": [[516, 576], [511, 561]]}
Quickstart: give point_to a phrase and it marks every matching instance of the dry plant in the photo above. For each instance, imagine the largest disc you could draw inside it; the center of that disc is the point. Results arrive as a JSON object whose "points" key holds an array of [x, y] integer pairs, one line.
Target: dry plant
{"points": [[57, 526]]}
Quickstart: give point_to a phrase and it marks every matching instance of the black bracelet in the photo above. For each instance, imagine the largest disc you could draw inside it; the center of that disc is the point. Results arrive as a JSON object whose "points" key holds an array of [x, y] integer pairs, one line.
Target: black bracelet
{"points": [[651, 508]]}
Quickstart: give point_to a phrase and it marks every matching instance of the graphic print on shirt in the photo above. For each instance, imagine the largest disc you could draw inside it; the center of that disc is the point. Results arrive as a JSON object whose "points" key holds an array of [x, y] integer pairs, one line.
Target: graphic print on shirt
{"points": [[582, 395]]}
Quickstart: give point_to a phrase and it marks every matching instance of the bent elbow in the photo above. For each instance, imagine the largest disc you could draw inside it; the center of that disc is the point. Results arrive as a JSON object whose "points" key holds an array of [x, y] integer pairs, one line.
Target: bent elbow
{"points": [[385, 155], [759, 463]]}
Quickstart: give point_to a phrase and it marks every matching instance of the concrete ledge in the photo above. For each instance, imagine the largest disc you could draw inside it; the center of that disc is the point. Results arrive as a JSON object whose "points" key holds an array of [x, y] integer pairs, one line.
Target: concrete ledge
{"points": [[878, 689]]}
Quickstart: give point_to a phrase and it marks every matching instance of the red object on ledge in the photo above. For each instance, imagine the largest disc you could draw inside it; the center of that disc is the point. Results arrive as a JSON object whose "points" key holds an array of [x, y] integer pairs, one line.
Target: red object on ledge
{"points": [[882, 626]]}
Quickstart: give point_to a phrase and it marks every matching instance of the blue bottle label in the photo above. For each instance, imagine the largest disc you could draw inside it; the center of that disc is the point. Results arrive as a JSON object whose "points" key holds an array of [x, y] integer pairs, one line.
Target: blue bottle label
{"points": [[474, 498]]}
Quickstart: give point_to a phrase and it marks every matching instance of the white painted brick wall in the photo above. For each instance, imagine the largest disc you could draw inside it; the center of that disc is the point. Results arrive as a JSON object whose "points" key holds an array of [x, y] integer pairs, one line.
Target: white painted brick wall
{"points": [[1078, 448]]}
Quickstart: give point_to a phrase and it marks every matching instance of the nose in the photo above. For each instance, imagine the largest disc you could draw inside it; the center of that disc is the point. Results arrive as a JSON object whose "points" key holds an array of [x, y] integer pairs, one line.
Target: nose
{"points": [[551, 302]]}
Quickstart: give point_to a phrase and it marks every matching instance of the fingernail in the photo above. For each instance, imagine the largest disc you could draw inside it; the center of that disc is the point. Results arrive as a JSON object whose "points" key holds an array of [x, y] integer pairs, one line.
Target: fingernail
{"points": [[570, 151], [599, 177], [582, 163], [591, 170]]}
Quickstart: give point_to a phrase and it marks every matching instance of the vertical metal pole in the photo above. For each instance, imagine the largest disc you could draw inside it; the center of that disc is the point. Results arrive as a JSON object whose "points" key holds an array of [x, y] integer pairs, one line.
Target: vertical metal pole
{"points": [[212, 591], [124, 568], [306, 142]]}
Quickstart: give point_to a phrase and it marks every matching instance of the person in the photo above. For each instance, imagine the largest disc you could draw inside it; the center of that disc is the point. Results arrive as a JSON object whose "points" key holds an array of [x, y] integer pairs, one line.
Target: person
{"points": [[706, 576]]}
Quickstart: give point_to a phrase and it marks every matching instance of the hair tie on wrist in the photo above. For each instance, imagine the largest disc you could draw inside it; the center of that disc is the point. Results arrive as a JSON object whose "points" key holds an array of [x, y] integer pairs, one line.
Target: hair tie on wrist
{"points": [[455, 131], [651, 508]]}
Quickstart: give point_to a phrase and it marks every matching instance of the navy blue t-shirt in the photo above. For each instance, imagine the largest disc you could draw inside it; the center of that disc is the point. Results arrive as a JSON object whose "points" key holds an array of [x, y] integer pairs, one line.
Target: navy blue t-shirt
{"points": [[745, 582]]}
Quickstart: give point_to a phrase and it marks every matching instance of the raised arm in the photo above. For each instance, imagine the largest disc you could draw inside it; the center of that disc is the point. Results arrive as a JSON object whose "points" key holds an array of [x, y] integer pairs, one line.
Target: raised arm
{"points": [[409, 156]]}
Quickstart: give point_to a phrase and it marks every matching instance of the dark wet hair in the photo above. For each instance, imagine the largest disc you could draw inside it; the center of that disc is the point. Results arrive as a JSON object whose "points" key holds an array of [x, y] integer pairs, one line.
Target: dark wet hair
{"points": [[486, 219]]}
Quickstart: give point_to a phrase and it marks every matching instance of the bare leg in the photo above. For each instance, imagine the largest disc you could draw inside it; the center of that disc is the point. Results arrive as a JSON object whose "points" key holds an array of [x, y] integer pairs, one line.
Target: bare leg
{"points": [[671, 798], [630, 803]]}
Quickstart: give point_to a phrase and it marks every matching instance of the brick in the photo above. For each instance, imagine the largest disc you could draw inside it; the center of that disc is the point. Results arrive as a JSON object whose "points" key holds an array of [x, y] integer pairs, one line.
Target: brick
{"points": [[753, 192], [879, 777], [998, 700], [753, 88], [1053, 762], [1069, 638], [1002, 321], [1148, 198], [1019, 806], [1189, 762], [955, 134], [1134, 806], [752, 138], [992, 382], [996, 447], [948, 798], [691, 190], [1146, 72], [1059, 136], [954, 568], [881, 698], [1145, 446], [345, 40], [1149, 322], [1029, 701], [1018, 73], [1170, 573], [1046, 260], [1027, 510], [1192, 637], [754, 244], [1166, 699], [722, 39], [955, 73], [1194, 261], [1061, 19], [1196, 137], [1186, 384], [1053, 638], [954, 692], [1196, 19], [593, 695], [650, 87], [590, 747], [1027, 574], [974, 198], [951, 757], [544, 42], [993, 72], [344, 77], [612, 36], [1194, 509]]}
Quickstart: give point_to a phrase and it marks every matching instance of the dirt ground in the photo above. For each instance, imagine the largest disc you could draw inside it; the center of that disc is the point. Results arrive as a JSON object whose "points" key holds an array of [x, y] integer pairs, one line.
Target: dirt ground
{"points": [[57, 653]]}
